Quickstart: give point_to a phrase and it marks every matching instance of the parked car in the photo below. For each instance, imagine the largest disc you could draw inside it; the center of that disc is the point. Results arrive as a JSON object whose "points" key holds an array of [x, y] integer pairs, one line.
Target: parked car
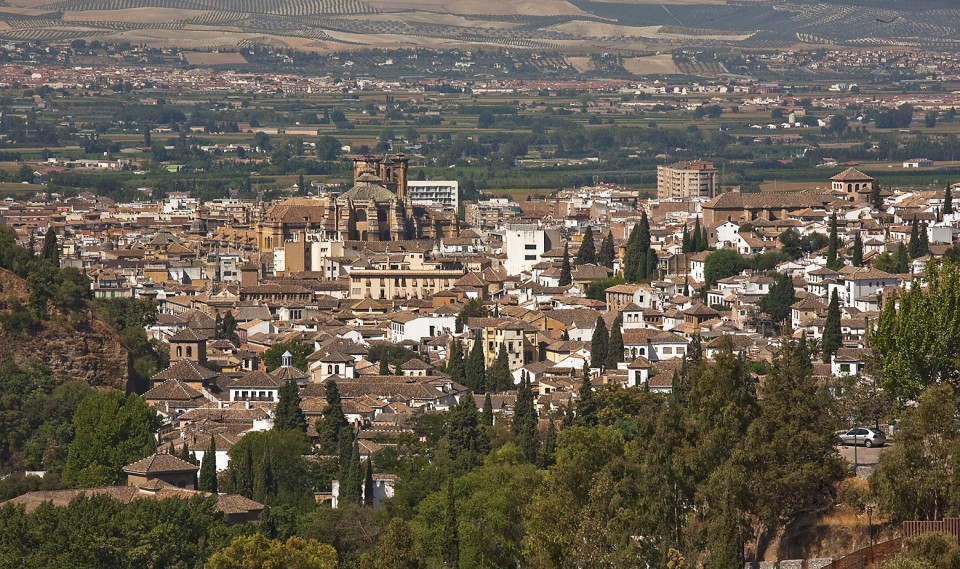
{"points": [[866, 436]]}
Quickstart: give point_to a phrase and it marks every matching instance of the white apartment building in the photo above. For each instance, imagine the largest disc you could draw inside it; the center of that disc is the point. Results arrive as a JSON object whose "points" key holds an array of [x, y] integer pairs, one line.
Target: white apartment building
{"points": [[436, 193], [524, 243]]}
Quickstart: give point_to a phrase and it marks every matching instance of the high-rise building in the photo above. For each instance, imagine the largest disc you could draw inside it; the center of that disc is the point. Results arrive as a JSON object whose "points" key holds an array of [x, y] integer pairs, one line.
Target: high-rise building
{"points": [[435, 193], [696, 179]]}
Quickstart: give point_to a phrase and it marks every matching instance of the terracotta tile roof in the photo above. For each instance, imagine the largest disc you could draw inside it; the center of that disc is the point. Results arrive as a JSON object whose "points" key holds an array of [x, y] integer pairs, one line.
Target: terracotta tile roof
{"points": [[185, 370], [257, 379], [851, 175], [158, 464], [172, 390]]}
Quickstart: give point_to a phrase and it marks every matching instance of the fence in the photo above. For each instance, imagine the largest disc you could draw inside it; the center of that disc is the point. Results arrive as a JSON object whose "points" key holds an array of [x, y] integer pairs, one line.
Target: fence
{"points": [[869, 556], [949, 526]]}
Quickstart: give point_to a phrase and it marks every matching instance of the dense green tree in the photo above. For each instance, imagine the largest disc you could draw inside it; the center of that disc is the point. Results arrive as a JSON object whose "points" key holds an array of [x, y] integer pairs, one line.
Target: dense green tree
{"points": [[721, 264], [384, 367], [398, 548], [607, 253], [779, 298], [565, 277], [833, 245], [332, 420], [257, 552], [918, 334], [99, 531], [271, 464], [947, 201], [614, 345], [241, 471], [587, 254], [686, 242], [857, 260], [498, 376], [917, 478], [273, 357], [264, 479], [207, 478], [227, 329], [288, 414], [926, 551], [111, 431], [696, 244], [599, 343], [790, 447], [473, 308], [475, 373], [467, 440], [832, 337]]}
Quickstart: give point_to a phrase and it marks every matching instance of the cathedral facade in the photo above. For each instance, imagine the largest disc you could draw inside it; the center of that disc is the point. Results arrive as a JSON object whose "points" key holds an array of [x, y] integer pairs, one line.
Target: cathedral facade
{"points": [[376, 208]]}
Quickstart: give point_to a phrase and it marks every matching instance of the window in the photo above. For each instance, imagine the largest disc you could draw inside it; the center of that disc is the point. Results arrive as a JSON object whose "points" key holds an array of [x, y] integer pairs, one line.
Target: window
{"points": [[667, 350], [179, 351], [189, 351], [329, 368], [844, 368], [530, 247], [529, 257]]}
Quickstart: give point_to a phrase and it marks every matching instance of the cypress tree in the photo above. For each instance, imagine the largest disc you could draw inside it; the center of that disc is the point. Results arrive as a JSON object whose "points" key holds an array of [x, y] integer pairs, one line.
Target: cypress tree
{"points": [[301, 186], [832, 339], [368, 485], [468, 440], [588, 249], [607, 251], [704, 238], [632, 256], [695, 245], [923, 245], [802, 355], [565, 276], [914, 245], [242, 477], [565, 335], [499, 378], [599, 343], [586, 405], [384, 366], [207, 479], [833, 245], [857, 251], [264, 480], [475, 370], [947, 201], [686, 245], [450, 540], [525, 420], [651, 259], [875, 200], [356, 472], [288, 415], [614, 346], [487, 415], [902, 259], [51, 252], [643, 265], [549, 446], [455, 364], [332, 421]]}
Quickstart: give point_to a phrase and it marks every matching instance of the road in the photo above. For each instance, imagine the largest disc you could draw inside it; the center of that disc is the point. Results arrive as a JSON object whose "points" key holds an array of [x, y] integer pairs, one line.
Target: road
{"points": [[866, 457]]}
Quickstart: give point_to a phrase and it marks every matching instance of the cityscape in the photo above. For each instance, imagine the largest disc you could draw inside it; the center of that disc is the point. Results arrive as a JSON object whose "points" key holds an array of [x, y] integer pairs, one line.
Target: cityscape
{"points": [[555, 285]]}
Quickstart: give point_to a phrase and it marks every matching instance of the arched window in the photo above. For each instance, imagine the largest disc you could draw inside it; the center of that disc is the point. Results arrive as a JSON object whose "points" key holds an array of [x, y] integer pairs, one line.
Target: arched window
{"points": [[336, 369], [329, 368], [179, 351], [189, 351]]}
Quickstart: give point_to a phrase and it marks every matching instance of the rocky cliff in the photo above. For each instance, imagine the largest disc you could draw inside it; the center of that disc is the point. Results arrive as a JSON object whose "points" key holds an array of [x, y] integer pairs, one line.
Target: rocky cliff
{"points": [[73, 344]]}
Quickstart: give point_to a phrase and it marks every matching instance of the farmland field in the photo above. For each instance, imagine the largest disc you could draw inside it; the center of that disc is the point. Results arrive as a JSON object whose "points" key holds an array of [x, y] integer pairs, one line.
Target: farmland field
{"points": [[630, 28]]}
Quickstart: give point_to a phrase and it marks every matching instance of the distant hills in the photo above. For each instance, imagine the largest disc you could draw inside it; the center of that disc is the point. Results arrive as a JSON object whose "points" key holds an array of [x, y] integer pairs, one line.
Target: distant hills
{"points": [[574, 26]]}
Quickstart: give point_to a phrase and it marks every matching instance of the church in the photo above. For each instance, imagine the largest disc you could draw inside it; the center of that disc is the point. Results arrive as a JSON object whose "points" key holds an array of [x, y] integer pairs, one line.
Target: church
{"points": [[376, 208]]}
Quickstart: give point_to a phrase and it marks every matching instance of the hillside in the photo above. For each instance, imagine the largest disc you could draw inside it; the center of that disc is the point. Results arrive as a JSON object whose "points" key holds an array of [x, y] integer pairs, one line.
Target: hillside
{"points": [[574, 26], [72, 344]]}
